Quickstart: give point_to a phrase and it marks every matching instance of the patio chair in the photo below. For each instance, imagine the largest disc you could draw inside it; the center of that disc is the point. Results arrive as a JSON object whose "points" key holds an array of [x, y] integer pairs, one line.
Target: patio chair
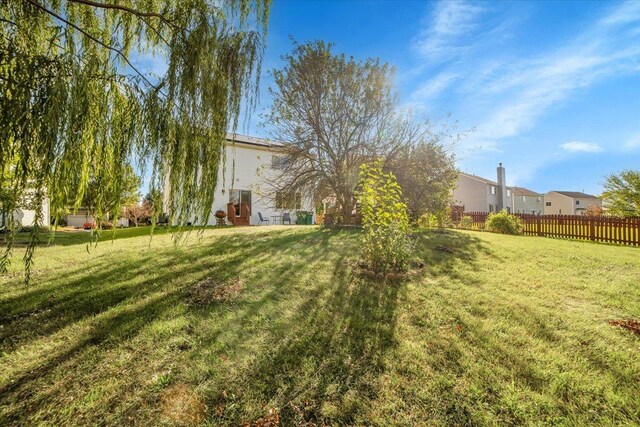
{"points": [[286, 217], [263, 220]]}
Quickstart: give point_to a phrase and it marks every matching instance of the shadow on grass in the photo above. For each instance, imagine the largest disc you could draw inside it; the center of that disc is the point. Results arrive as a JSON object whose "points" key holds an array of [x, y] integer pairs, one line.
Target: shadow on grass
{"points": [[322, 356]]}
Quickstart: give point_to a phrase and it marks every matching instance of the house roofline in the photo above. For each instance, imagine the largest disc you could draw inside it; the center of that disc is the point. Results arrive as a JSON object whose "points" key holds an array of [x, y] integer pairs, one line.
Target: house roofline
{"points": [[478, 178]]}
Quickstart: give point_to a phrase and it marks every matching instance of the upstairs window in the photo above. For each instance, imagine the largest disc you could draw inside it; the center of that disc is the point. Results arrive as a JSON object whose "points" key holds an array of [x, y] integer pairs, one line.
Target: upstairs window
{"points": [[547, 204], [508, 193], [288, 200], [524, 198], [493, 190], [577, 202], [278, 162]]}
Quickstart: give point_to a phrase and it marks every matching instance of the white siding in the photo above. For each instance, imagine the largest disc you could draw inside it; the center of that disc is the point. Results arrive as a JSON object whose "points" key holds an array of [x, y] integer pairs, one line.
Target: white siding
{"points": [[28, 216], [252, 172]]}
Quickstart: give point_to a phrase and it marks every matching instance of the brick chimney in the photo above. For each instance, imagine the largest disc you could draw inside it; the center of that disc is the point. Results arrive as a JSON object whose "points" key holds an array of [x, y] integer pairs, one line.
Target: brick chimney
{"points": [[502, 188]]}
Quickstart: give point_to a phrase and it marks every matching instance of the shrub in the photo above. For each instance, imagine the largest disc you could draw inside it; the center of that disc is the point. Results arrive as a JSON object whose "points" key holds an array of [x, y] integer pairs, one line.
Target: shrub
{"points": [[503, 222], [466, 222], [437, 219], [427, 220], [385, 244]]}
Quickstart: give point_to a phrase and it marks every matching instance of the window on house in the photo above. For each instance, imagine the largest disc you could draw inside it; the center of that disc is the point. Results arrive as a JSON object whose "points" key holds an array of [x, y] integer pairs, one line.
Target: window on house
{"points": [[493, 190], [278, 162], [490, 208], [508, 193], [524, 198], [547, 204], [288, 200], [577, 202], [508, 210], [538, 200]]}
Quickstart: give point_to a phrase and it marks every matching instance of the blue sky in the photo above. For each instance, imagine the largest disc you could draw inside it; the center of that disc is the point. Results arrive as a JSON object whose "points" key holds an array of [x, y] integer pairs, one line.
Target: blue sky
{"points": [[551, 89]]}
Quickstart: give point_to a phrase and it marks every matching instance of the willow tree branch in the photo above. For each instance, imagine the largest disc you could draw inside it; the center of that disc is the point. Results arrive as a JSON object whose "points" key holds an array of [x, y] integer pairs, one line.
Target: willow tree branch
{"points": [[100, 42], [125, 9]]}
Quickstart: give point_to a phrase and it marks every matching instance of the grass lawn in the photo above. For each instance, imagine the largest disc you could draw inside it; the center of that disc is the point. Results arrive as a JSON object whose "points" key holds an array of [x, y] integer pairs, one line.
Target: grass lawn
{"points": [[242, 324]]}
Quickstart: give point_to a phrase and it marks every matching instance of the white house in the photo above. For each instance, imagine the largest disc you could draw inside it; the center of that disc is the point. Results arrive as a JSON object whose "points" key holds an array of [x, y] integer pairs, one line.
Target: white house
{"points": [[244, 188], [26, 216], [568, 202], [479, 194]]}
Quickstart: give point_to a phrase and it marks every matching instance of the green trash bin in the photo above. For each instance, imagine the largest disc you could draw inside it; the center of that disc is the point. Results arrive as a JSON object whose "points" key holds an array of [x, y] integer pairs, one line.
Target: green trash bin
{"points": [[301, 218], [309, 218]]}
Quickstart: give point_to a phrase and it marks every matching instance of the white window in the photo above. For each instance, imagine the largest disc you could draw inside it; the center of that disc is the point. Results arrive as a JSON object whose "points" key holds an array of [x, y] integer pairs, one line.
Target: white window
{"points": [[538, 200], [524, 198], [508, 193], [493, 190]]}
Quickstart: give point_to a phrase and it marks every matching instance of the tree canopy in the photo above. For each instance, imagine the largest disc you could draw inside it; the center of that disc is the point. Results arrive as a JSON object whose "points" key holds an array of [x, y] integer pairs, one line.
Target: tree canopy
{"points": [[427, 174], [333, 113], [75, 107], [622, 193]]}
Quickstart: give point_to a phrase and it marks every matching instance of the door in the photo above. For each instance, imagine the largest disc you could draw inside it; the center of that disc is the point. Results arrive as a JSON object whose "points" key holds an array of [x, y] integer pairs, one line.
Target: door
{"points": [[240, 197]]}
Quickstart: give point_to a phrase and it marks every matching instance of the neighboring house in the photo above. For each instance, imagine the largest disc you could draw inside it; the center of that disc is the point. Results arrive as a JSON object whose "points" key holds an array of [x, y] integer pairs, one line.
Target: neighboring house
{"points": [[26, 216], [568, 202], [479, 194], [244, 189], [526, 201]]}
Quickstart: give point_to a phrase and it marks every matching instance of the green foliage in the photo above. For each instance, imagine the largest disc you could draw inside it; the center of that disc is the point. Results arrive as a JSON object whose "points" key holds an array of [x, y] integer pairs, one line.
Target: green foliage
{"points": [[385, 223], [427, 174], [466, 222], [503, 222], [622, 193], [75, 109], [439, 219], [427, 220]]}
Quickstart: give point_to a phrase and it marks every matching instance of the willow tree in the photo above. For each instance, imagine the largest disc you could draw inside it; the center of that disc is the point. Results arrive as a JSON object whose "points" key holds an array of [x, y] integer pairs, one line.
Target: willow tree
{"points": [[76, 109]]}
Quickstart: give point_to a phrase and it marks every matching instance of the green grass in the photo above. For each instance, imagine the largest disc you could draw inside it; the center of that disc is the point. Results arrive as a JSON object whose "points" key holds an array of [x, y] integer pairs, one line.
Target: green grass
{"points": [[504, 330]]}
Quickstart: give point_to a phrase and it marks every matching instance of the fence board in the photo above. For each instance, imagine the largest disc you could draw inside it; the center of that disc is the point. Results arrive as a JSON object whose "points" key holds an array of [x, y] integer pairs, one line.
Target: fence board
{"points": [[622, 231]]}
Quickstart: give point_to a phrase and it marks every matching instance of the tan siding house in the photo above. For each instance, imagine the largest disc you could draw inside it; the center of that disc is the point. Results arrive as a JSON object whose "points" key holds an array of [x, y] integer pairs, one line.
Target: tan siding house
{"points": [[568, 202], [479, 194], [526, 201]]}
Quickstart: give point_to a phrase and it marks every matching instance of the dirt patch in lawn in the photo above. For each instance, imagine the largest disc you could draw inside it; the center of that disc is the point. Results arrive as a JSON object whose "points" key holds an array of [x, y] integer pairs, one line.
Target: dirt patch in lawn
{"points": [[209, 291], [182, 405], [629, 324]]}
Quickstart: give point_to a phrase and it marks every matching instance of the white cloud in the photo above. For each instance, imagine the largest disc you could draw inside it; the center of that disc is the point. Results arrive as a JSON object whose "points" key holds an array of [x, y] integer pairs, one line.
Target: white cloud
{"points": [[451, 20], [633, 142], [581, 147], [432, 88], [516, 93]]}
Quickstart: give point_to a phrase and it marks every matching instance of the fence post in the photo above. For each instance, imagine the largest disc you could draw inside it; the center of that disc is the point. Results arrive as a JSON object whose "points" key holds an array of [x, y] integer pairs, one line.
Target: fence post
{"points": [[538, 226], [592, 228]]}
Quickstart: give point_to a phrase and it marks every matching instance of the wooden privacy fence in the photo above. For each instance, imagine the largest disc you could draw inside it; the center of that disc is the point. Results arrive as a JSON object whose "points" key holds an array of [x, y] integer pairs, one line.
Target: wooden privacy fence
{"points": [[624, 231]]}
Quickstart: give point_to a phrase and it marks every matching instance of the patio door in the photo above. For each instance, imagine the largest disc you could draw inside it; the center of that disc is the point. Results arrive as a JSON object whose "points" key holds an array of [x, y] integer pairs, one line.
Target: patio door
{"points": [[240, 197]]}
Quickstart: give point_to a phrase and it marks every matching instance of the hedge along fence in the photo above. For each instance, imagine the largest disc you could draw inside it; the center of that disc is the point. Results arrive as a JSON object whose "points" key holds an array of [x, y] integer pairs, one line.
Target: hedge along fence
{"points": [[609, 229]]}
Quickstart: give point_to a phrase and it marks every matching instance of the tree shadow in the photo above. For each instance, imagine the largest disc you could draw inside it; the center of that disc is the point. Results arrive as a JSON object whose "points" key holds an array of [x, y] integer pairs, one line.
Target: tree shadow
{"points": [[325, 354]]}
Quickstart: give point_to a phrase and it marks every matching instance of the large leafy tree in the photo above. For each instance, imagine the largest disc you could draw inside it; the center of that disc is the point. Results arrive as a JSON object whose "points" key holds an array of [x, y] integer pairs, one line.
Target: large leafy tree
{"points": [[333, 113], [75, 107], [622, 193], [111, 199], [427, 174]]}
